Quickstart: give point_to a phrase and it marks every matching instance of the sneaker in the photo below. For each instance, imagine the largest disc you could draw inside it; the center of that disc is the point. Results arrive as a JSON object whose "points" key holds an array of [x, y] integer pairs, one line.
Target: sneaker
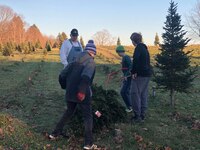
{"points": [[135, 119], [90, 147], [142, 118], [128, 110], [54, 136]]}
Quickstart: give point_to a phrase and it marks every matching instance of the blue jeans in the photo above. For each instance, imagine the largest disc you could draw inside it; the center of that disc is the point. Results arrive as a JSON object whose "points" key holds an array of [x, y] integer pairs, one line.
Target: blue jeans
{"points": [[125, 92]]}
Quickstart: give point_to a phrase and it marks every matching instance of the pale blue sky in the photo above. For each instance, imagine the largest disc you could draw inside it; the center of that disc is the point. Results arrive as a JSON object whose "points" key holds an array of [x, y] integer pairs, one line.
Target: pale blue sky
{"points": [[119, 17]]}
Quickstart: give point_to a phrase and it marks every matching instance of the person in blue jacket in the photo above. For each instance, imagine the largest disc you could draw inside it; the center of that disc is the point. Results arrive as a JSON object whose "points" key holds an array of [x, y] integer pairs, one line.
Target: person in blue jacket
{"points": [[126, 67]]}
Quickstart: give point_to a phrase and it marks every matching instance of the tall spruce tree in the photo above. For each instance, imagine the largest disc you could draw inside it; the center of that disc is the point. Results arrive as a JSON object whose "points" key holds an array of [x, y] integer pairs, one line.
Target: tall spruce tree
{"points": [[64, 35], [38, 44], [48, 46], [55, 45], [1, 47], [8, 49], [174, 71], [157, 40], [60, 40], [61, 37], [118, 41]]}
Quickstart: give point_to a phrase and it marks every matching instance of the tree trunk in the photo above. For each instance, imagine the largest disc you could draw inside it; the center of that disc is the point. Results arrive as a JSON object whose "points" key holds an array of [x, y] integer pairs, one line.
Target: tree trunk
{"points": [[172, 100]]}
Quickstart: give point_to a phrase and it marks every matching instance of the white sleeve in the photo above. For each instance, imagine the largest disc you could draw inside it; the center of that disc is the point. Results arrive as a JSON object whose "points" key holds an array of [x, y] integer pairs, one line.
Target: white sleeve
{"points": [[64, 52]]}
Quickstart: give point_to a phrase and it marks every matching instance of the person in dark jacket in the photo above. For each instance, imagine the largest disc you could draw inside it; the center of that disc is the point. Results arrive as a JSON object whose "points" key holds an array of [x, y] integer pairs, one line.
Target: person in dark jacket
{"points": [[141, 72], [78, 92], [126, 67]]}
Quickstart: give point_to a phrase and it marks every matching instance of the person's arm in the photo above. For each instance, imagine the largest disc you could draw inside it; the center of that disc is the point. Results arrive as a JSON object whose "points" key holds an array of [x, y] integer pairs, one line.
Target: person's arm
{"points": [[64, 51], [129, 66], [86, 79], [135, 63]]}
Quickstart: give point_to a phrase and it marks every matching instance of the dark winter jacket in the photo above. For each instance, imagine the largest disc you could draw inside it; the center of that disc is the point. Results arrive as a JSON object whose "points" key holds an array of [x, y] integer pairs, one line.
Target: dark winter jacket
{"points": [[80, 77], [141, 61]]}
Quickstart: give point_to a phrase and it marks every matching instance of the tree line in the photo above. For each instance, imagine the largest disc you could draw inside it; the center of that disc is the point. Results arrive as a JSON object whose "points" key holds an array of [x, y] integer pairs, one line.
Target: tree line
{"points": [[17, 35]]}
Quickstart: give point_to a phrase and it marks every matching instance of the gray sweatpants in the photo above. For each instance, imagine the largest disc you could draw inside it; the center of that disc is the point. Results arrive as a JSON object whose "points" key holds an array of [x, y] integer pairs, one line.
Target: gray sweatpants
{"points": [[139, 95]]}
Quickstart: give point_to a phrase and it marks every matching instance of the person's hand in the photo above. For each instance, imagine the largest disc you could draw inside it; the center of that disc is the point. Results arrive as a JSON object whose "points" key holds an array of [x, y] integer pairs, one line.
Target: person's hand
{"points": [[125, 78], [134, 76], [80, 96]]}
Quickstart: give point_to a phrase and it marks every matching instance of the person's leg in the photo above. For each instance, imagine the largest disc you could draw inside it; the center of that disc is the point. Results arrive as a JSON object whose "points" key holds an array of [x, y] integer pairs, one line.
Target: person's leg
{"points": [[125, 93], [71, 107], [88, 122], [144, 97], [135, 98], [128, 91]]}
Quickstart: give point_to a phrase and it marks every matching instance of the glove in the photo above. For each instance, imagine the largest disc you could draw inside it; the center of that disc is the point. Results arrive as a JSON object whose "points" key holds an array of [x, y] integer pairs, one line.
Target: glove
{"points": [[80, 96], [134, 76]]}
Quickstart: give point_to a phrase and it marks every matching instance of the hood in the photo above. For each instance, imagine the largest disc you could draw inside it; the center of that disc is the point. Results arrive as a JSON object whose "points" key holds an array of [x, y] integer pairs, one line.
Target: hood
{"points": [[142, 45]]}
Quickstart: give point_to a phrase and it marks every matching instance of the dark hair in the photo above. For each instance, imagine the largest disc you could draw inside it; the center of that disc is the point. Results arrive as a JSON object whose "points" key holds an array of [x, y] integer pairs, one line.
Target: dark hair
{"points": [[136, 37]]}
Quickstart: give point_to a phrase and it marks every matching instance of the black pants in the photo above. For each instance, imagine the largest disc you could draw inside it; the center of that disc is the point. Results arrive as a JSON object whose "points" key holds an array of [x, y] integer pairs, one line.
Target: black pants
{"points": [[87, 116]]}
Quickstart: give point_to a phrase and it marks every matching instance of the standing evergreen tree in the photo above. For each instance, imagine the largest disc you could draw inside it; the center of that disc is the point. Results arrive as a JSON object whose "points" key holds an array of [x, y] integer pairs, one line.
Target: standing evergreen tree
{"points": [[174, 71], [48, 46], [61, 37], [31, 47], [118, 41], [19, 48], [55, 45], [64, 36], [7, 49], [38, 44], [26, 48], [1, 47], [157, 40], [82, 42]]}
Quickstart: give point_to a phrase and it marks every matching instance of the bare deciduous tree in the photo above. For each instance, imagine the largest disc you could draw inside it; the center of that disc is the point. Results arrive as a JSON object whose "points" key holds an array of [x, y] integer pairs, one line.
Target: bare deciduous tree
{"points": [[33, 35], [193, 20], [103, 38], [13, 29], [6, 15], [16, 29]]}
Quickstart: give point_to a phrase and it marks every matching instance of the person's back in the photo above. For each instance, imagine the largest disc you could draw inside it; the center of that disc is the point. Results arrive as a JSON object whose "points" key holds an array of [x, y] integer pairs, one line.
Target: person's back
{"points": [[143, 65], [79, 67]]}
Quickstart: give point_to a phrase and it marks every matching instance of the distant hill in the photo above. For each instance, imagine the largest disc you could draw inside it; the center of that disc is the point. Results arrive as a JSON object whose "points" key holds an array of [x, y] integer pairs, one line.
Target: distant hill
{"points": [[108, 54]]}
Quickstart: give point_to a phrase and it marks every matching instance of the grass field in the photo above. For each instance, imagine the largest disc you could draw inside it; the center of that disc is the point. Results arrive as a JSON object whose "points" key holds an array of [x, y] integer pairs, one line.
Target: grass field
{"points": [[31, 102]]}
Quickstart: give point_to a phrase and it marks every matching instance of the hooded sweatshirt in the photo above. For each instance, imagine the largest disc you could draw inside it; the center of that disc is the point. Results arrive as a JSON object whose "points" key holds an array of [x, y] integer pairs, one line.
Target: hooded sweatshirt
{"points": [[141, 61], [80, 78]]}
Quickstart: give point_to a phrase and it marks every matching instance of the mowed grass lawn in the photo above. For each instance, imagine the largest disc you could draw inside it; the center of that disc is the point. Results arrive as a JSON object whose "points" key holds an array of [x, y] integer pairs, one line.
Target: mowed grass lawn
{"points": [[31, 102]]}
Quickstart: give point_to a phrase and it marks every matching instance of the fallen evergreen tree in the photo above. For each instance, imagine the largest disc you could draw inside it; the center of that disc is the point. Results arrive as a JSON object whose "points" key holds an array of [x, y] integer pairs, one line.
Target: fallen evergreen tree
{"points": [[106, 102]]}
